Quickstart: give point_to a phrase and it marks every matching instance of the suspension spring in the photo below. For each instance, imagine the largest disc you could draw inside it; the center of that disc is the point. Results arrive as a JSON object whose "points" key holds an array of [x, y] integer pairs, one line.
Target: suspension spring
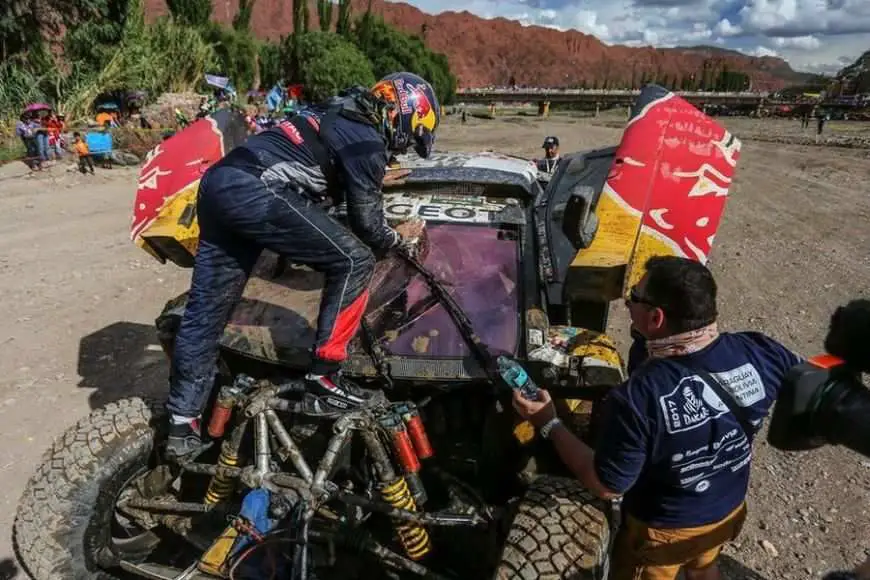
{"points": [[413, 537], [221, 486]]}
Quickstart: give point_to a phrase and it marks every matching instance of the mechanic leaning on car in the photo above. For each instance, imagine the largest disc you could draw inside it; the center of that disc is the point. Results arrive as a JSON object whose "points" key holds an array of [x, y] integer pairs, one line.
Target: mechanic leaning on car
{"points": [[676, 438], [269, 193]]}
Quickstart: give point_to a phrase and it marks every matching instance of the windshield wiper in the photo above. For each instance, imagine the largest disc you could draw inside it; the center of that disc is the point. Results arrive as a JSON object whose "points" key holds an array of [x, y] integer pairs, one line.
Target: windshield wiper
{"points": [[457, 314]]}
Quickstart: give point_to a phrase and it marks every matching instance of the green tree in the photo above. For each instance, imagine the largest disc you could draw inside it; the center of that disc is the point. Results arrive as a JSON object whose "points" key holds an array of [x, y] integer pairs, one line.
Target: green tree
{"points": [[24, 24], [327, 64], [300, 16], [190, 12], [242, 19], [270, 63], [236, 52], [324, 14], [390, 50], [342, 26]]}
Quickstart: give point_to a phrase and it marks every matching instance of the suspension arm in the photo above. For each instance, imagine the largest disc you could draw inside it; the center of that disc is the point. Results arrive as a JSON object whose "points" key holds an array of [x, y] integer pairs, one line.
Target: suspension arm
{"points": [[421, 518]]}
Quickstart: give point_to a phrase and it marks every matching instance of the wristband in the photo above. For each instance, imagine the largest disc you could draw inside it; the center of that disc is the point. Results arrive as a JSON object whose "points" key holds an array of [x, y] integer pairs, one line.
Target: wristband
{"points": [[548, 427]]}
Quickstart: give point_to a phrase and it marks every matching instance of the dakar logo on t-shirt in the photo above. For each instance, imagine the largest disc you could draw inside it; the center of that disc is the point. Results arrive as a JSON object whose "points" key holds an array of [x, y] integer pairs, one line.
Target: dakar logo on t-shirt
{"points": [[691, 404]]}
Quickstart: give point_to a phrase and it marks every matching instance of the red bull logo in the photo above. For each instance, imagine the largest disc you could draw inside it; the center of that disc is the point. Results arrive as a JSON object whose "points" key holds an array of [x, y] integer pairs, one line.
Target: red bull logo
{"points": [[424, 113]]}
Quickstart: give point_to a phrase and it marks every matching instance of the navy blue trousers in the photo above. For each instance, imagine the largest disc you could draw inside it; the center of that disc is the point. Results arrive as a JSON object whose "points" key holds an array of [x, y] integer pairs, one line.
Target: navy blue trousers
{"points": [[239, 215]]}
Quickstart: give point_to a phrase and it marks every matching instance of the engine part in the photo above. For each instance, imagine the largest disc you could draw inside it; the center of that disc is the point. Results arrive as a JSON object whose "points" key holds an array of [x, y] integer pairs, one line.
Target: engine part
{"points": [[342, 433], [213, 561], [415, 484], [221, 486], [289, 446], [223, 409], [402, 446], [416, 430], [442, 519], [263, 454], [413, 537]]}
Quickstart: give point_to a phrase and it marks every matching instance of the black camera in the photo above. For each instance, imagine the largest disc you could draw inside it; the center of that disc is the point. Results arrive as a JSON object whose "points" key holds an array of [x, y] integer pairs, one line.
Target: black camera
{"points": [[824, 401]]}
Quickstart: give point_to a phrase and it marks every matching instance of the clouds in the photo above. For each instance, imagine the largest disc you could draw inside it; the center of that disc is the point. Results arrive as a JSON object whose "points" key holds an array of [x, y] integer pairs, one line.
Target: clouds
{"points": [[813, 35]]}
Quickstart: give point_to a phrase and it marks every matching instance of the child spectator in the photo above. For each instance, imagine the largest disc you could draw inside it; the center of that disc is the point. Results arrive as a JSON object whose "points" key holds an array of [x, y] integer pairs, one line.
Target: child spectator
{"points": [[81, 149], [55, 127]]}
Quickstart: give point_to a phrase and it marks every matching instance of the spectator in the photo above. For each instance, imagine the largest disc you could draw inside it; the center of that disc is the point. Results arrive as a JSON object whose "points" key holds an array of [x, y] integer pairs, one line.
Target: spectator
{"points": [[820, 124], [551, 155], [41, 135], [84, 153], [54, 126], [24, 130], [676, 438]]}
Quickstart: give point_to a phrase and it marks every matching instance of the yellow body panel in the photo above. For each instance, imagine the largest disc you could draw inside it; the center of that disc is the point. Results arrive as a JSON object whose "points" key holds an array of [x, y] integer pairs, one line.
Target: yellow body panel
{"points": [[170, 224], [596, 350], [614, 242]]}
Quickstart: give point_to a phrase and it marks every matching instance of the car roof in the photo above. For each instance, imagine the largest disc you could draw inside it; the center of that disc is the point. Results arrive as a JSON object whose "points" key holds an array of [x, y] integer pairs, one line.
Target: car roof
{"points": [[481, 167]]}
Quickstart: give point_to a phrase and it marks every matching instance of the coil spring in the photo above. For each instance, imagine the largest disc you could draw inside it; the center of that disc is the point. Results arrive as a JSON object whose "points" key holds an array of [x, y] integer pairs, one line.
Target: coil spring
{"points": [[221, 486], [413, 537]]}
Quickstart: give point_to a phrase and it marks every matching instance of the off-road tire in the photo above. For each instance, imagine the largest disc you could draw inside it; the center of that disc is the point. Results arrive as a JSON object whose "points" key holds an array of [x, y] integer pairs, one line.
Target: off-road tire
{"points": [[560, 532], [62, 528]]}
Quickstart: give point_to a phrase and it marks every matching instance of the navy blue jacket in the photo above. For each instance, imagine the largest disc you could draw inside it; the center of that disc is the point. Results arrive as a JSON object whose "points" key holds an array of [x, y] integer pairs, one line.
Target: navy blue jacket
{"points": [[359, 154]]}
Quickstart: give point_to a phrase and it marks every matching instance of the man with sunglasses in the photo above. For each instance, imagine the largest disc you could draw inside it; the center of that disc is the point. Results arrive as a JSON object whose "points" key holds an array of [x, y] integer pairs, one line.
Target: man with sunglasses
{"points": [[676, 438]]}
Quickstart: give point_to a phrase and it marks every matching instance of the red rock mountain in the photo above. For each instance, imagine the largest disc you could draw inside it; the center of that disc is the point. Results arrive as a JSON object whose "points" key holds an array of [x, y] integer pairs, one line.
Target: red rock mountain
{"points": [[486, 52]]}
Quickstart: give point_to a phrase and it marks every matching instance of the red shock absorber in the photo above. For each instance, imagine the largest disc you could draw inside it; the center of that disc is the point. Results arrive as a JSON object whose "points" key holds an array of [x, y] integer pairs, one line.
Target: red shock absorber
{"points": [[402, 445], [416, 431], [223, 408]]}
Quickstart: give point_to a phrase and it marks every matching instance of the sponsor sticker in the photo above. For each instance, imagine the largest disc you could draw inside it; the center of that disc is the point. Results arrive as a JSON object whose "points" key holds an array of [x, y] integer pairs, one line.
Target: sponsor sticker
{"points": [[691, 404], [473, 210]]}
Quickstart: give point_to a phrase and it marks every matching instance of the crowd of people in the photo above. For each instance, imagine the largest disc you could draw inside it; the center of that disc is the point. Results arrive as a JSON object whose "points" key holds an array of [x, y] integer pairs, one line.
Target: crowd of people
{"points": [[43, 137]]}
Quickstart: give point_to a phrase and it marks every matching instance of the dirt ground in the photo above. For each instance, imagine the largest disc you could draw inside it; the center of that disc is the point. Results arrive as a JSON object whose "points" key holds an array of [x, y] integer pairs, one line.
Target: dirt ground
{"points": [[79, 301]]}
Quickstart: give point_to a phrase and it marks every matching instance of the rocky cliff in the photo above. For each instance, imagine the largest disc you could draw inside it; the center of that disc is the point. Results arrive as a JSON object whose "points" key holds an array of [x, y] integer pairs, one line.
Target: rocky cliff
{"points": [[485, 52], [855, 78]]}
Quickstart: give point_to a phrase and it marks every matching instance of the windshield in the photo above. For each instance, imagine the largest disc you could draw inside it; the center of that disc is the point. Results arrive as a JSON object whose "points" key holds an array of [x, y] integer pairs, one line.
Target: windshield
{"points": [[477, 265]]}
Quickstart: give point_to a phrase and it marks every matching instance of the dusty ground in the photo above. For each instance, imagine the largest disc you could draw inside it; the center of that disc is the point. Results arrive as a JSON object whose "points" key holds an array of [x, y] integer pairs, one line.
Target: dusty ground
{"points": [[79, 301]]}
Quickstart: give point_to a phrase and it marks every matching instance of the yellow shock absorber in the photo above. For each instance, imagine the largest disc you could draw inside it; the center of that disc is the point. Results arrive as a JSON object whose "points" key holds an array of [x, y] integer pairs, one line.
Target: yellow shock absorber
{"points": [[413, 537], [220, 489], [221, 486]]}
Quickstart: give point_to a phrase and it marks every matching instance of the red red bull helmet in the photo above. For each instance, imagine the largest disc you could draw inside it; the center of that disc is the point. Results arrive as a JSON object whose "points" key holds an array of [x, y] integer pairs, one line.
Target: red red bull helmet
{"points": [[414, 112]]}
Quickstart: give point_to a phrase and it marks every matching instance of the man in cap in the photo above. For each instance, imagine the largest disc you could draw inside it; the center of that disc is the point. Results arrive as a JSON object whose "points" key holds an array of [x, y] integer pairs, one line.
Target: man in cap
{"points": [[551, 155]]}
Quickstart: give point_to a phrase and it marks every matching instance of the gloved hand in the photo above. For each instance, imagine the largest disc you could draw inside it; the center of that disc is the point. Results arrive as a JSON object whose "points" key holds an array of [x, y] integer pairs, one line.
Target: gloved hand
{"points": [[413, 238]]}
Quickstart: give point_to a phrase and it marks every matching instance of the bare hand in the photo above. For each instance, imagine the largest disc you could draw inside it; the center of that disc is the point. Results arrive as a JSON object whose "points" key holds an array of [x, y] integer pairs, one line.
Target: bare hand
{"points": [[411, 229], [395, 175], [536, 412]]}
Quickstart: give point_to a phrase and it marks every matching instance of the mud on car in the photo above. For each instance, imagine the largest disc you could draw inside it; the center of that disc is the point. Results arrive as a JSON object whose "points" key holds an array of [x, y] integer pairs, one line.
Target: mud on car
{"points": [[440, 479]]}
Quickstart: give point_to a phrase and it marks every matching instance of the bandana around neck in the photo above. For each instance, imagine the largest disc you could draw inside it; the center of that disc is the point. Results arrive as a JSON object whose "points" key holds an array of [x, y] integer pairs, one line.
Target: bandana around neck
{"points": [[684, 343]]}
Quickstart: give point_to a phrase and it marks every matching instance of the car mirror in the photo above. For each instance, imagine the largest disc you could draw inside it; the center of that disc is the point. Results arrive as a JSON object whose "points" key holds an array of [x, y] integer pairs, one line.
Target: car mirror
{"points": [[579, 221]]}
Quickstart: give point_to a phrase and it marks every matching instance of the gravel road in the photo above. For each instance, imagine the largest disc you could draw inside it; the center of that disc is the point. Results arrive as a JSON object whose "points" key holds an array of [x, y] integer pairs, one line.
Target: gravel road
{"points": [[79, 300]]}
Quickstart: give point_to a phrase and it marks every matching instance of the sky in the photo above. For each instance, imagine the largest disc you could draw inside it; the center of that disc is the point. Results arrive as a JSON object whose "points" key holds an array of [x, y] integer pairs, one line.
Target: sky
{"points": [[819, 36]]}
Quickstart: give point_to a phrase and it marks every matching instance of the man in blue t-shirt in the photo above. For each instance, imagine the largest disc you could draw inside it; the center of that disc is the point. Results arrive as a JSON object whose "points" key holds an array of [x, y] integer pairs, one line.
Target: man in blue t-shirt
{"points": [[670, 444]]}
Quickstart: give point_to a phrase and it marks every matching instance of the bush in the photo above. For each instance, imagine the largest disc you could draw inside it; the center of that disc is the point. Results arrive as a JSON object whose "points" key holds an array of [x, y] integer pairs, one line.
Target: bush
{"points": [[327, 64]]}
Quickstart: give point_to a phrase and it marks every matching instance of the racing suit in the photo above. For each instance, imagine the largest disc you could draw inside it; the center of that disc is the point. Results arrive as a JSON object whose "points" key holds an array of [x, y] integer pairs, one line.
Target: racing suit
{"points": [[266, 193]]}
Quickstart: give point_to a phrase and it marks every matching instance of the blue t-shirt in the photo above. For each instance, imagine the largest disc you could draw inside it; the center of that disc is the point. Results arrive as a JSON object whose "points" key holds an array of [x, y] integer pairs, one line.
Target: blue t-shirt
{"points": [[669, 442]]}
